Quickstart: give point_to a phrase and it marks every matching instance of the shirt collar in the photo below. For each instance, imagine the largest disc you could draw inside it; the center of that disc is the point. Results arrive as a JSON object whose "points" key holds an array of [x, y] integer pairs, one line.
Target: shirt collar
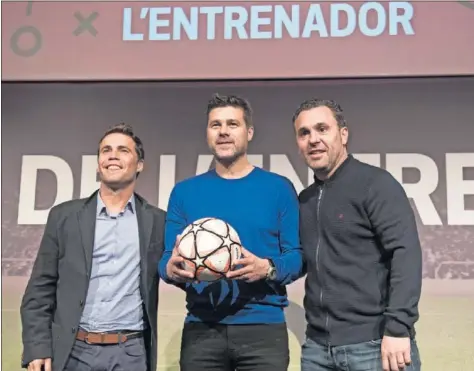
{"points": [[102, 209]]}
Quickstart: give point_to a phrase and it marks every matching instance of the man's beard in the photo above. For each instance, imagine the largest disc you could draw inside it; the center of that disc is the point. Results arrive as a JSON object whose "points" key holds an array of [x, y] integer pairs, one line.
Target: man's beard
{"points": [[230, 159]]}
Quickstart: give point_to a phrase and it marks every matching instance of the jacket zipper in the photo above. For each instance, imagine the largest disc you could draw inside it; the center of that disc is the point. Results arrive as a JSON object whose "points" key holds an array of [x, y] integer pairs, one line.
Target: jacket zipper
{"points": [[320, 196]]}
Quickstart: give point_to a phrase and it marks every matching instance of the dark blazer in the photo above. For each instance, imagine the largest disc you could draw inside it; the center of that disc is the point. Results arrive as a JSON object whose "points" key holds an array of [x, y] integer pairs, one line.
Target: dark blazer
{"points": [[56, 292]]}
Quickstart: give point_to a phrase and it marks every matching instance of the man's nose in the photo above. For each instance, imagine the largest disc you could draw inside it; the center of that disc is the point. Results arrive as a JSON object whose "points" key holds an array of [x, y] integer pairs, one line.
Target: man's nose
{"points": [[114, 154], [314, 137], [224, 130]]}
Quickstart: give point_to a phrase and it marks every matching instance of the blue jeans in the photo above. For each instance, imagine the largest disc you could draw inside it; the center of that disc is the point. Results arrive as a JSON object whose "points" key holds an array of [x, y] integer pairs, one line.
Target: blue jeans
{"points": [[354, 357]]}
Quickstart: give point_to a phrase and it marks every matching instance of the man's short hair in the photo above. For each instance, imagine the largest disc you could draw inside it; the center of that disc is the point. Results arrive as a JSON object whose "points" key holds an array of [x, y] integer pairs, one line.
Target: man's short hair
{"points": [[218, 101], [335, 108], [127, 130]]}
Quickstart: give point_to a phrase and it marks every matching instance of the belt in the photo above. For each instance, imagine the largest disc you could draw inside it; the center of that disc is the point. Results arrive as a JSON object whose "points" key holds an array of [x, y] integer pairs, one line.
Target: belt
{"points": [[107, 337]]}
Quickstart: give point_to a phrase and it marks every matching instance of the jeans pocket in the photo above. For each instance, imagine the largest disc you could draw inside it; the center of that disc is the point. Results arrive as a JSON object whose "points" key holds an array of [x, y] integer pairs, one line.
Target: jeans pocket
{"points": [[375, 342], [364, 356]]}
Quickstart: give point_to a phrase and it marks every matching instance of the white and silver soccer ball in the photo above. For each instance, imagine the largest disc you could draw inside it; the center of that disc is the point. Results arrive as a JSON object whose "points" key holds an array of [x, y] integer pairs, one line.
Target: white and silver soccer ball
{"points": [[209, 247]]}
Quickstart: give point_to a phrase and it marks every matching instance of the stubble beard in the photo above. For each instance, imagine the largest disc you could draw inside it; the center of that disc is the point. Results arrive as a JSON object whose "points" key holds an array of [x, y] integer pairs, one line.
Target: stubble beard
{"points": [[333, 164], [230, 159]]}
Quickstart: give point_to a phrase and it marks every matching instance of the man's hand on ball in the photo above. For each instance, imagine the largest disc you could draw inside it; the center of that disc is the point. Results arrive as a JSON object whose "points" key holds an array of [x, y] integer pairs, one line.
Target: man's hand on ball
{"points": [[252, 268], [174, 268], [175, 272]]}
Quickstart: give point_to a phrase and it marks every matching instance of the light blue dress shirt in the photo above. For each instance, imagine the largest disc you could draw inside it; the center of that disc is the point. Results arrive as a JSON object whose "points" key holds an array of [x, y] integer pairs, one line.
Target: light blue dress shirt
{"points": [[113, 300]]}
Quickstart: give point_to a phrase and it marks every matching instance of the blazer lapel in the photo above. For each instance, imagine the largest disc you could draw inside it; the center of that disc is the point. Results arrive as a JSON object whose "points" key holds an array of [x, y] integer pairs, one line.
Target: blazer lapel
{"points": [[145, 225], [86, 218]]}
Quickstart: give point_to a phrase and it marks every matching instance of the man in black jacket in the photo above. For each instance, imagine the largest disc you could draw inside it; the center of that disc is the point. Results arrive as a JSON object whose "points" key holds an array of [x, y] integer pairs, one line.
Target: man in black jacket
{"points": [[92, 299], [362, 251]]}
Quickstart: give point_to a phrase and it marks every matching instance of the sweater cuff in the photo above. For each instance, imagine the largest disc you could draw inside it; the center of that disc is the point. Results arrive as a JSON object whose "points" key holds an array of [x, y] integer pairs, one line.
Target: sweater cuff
{"points": [[162, 272], [396, 329]]}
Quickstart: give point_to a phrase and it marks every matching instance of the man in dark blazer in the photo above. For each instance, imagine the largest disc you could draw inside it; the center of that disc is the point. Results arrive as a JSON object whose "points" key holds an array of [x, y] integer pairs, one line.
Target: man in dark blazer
{"points": [[92, 299]]}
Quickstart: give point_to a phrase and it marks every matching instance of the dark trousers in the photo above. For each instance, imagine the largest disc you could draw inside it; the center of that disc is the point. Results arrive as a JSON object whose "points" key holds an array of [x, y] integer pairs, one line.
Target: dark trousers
{"points": [[355, 357], [206, 347], [128, 356]]}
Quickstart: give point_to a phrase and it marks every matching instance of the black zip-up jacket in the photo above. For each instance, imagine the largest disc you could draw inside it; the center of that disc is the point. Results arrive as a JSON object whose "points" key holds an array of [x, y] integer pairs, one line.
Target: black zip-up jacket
{"points": [[362, 256]]}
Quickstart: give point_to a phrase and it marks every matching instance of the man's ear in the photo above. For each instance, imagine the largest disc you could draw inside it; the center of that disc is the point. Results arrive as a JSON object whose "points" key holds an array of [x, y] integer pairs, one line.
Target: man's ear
{"points": [[345, 135], [140, 166], [250, 132]]}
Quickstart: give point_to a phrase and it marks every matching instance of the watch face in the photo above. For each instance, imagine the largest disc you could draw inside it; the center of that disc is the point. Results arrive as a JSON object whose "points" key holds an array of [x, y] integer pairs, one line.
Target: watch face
{"points": [[272, 274]]}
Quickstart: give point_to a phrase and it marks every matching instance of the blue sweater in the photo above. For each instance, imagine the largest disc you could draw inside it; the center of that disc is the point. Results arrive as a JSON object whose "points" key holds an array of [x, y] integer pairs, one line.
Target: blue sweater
{"points": [[263, 208]]}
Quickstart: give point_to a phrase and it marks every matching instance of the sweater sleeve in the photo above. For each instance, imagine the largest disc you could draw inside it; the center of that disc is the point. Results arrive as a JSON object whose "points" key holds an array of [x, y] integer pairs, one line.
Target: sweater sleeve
{"points": [[395, 227], [289, 265], [174, 225]]}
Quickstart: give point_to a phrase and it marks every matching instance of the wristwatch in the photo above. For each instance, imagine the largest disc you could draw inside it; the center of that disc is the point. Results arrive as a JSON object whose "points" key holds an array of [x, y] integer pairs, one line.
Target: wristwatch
{"points": [[271, 273]]}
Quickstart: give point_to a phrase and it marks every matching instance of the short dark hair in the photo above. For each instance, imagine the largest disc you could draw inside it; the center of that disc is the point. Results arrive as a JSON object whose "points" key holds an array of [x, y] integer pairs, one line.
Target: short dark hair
{"points": [[218, 101], [331, 104], [127, 130]]}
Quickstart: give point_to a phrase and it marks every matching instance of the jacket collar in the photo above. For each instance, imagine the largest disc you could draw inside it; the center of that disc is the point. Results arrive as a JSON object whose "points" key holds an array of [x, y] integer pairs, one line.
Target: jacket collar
{"points": [[138, 200], [340, 170]]}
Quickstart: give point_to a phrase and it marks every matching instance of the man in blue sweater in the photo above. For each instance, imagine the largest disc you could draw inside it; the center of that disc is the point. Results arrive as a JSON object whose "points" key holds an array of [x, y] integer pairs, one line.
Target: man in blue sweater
{"points": [[238, 322]]}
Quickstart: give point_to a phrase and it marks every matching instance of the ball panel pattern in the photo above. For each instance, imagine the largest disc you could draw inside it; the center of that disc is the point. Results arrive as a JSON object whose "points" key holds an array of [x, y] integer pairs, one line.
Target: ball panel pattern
{"points": [[209, 247]]}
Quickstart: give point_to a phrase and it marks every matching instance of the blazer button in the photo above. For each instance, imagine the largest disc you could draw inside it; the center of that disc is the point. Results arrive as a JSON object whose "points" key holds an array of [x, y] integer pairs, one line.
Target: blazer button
{"points": [[81, 303], [73, 330]]}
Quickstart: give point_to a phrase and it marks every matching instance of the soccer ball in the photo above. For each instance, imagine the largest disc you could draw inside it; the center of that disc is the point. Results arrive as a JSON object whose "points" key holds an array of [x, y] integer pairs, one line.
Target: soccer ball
{"points": [[209, 247]]}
